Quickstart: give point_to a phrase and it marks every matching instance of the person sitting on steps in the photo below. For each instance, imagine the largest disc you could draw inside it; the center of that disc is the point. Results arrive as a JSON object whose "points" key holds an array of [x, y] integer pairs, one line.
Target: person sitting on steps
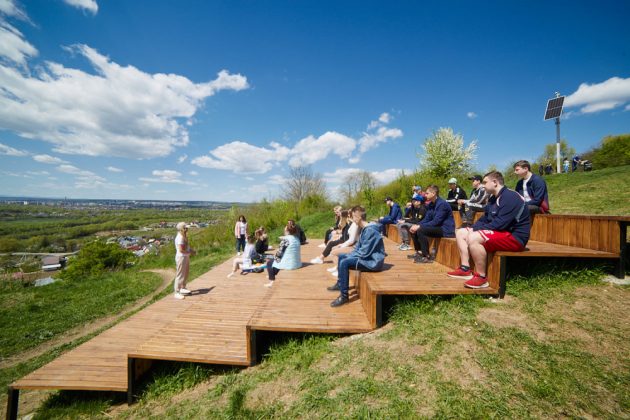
{"points": [[395, 214], [503, 227], [414, 216], [532, 187], [455, 192], [476, 202]]}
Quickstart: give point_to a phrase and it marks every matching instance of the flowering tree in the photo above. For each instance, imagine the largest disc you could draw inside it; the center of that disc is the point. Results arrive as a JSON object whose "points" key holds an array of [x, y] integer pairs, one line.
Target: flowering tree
{"points": [[445, 155]]}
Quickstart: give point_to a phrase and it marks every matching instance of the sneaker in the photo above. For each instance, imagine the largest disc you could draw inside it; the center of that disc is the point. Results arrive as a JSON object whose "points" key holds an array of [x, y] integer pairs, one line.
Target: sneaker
{"points": [[230, 275], [317, 260], [238, 253], [422, 260], [477, 282], [269, 284], [413, 256], [404, 247], [332, 269], [321, 246], [178, 296], [184, 291], [333, 288], [335, 273], [339, 301], [460, 274]]}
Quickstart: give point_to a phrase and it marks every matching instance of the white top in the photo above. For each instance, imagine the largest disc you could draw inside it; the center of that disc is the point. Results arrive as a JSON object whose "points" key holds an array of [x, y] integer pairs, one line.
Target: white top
{"points": [[179, 240], [525, 193], [353, 231]]}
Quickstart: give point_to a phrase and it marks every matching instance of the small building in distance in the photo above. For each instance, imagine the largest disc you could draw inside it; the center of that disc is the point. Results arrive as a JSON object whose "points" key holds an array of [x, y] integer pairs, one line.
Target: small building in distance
{"points": [[51, 263]]}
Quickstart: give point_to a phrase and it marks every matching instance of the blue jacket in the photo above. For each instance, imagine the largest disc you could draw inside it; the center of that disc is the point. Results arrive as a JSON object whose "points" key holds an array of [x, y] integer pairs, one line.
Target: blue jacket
{"points": [[291, 259], [394, 215], [440, 214], [507, 212], [370, 248], [537, 190]]}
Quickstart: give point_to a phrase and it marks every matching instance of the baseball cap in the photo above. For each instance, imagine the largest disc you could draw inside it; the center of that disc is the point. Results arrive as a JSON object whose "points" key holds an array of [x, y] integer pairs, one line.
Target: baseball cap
{"points": [[417, 198], [388, 198], [417, 187], [452, 181], [475, 178]]}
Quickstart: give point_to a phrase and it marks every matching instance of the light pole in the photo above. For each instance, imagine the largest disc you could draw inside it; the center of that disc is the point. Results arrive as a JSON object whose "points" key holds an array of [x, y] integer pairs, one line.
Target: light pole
{"points": [[554, 110]]}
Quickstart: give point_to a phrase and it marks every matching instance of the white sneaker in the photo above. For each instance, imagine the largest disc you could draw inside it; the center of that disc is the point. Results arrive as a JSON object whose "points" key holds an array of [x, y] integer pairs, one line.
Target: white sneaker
{"points": [[317, 260], [184, 291], [178, 296], [269, 284], [321, 246], [331, 269], [230, 275], [335, 273], [238, 253]]}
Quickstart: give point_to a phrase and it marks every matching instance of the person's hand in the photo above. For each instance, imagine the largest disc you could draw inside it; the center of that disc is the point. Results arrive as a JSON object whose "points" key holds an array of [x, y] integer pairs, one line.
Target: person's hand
{"points": [[461, 201], [414, 228]]}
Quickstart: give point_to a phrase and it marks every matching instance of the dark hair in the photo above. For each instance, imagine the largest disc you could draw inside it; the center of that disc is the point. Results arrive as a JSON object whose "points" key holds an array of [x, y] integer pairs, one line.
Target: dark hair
{"points": [[291, 228], [360, 210], [497, 176], [434, 188], [242, 217], [522, 164], [251, 239]]}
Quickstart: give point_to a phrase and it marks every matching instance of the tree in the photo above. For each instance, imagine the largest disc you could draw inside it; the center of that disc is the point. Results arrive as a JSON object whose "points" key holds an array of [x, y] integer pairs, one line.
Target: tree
{"points": [[549, 155], [613, 151], [358, 185], [303, 183], [96, 258], [445, 154]]}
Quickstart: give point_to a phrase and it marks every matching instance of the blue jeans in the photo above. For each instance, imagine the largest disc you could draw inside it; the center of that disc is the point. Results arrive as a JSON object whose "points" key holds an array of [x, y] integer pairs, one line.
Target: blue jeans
{"points": [[240, 243], [344, 266]]}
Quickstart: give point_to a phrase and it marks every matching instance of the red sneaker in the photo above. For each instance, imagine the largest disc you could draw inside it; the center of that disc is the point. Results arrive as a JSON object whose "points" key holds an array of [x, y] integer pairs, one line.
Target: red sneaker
{"points": [[461, 274], [477, 282]]}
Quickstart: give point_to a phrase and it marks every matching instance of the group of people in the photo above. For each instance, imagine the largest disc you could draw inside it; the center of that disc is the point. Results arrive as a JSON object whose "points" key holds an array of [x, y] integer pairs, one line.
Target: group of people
{"points": [[504, 224]]}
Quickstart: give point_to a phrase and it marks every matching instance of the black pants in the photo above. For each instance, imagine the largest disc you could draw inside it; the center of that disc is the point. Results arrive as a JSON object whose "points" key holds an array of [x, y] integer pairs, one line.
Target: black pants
{"points": [[421, 238], [330, 245], [271, 270], [328, 235], [468, 213]]}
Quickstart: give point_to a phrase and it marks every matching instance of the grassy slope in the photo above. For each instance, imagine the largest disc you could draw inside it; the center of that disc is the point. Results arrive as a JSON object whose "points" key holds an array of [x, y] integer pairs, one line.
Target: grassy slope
{"points": [[551, 348]]}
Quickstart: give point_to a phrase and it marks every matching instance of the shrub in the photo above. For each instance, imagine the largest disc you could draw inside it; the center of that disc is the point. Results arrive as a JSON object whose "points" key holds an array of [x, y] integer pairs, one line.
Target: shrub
{"points": [[613, 151], [96, 258]]}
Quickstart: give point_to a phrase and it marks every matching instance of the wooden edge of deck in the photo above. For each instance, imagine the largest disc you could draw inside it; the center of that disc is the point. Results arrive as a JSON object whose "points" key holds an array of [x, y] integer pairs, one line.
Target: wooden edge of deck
{"points": [[17, 385], [170, 358]]}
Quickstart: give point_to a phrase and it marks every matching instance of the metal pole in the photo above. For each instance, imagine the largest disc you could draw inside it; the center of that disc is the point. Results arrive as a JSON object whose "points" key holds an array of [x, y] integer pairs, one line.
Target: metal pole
{"points": [[558, 144]]}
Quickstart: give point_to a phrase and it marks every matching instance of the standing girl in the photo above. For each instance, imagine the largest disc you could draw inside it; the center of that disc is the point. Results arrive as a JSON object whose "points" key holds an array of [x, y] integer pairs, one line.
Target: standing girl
{"points": [[182, 261], [240, 232]]}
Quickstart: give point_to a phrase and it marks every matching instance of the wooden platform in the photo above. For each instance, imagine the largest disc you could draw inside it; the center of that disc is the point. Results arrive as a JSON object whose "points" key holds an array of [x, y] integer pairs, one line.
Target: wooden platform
{"points": [[218, 322]]}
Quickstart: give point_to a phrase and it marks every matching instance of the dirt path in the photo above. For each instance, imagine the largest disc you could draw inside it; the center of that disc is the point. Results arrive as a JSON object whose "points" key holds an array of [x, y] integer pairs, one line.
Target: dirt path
{"points": [[83, 330]]}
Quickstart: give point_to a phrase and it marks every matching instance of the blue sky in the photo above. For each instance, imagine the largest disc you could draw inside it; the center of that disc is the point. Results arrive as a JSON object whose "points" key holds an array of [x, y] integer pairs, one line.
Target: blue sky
{"points": [[208, 100]]}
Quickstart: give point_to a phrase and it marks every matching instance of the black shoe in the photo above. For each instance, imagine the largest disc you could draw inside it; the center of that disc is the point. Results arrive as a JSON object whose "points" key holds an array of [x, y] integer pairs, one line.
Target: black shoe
{"points": [[333, 288], [339, 301], [422, 260], [413, 256]]}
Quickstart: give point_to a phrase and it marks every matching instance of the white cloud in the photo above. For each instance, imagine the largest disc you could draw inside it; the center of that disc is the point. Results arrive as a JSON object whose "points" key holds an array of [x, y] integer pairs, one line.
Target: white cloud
{"points": [[167, 176], [596, 97], [310, 149], [87, 5], [193, 173], [73, 170], [385, 118], [388, 175], [114, 169], [370, 140], [277, 180], [13, 46], [38, 173], [382, 177], [471, 115], [243, 158], [10, 151], [10, 8], [51, 160], [116, 111], [182, 158]]}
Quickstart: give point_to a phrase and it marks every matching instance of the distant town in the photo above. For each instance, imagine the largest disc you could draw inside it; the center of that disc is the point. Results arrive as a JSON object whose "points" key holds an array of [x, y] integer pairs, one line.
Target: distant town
{"points": [[117, 204]]}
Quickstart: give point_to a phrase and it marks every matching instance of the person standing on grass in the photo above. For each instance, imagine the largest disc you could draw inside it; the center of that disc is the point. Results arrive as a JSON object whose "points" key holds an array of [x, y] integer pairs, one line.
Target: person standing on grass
{"points": [[532, 187], [503, 227], [240, 232], [368, 255], [182, 261]]}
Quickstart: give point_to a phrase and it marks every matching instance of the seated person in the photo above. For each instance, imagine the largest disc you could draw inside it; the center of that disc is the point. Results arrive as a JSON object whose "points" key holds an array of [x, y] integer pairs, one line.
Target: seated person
{"points": [[299, 233], [248, 255], [454, 193], [329, 233], [288, 255], [532, 187], [417, 192], [503, 227], [395, 214], [476, 202], [413, 217], [438, 222], [349, 233], [262, 244], [368, 255]]}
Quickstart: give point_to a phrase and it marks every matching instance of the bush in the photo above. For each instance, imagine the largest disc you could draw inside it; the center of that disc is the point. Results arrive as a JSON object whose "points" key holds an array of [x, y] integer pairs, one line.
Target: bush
{"points": [[613, 151], [96, 258]]}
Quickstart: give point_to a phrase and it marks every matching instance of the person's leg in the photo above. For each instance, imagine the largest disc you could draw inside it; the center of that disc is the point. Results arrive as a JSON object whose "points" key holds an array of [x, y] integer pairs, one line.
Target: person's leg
{"points": [[478, 252], [327, 236], [462, 245], [271, 273], [186, 269], [416, 242], [329, 247], [179, 274], [344, 275], [423, 242]]}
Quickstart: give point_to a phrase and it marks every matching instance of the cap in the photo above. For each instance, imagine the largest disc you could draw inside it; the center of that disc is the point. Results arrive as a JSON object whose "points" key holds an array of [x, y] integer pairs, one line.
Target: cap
{"points": [[181, 225], [475, 178], [417, 188], [388, 198], [417, 198], [452, 181]]}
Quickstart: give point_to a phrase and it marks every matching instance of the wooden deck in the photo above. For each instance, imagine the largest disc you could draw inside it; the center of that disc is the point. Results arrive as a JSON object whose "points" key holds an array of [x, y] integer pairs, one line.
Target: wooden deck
{"points": [[218, 322]]}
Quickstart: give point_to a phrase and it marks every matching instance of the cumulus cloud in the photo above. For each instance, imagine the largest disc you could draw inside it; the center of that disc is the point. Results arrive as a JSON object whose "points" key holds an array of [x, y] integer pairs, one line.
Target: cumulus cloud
{"points": [[182, 158], [243, 158], [114, 111], [311, 149], [610, 94], [114, 169], [50, 160], [167, 176], [87, 5], [471, 115], [10, 151], [382, 177], [10, 8]]}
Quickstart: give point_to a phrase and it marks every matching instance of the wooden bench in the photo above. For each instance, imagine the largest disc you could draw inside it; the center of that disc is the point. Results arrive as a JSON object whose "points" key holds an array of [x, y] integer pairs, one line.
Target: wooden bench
{"points": [[551, 235]]}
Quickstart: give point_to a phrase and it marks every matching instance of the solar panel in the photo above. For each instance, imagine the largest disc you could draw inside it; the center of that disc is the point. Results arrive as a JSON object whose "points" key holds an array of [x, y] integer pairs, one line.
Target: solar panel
{"points": [[554, 108]]}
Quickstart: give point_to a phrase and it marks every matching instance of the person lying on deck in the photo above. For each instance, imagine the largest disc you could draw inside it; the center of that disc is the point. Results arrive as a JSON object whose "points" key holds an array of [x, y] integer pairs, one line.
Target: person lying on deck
{"points": [[368, 255], [503, 227]]}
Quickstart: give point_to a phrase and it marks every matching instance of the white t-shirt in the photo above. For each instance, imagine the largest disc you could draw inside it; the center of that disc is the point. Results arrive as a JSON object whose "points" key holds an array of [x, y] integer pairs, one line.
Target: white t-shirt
{"points": [[179, 240], [525, 193], [243, 228]]}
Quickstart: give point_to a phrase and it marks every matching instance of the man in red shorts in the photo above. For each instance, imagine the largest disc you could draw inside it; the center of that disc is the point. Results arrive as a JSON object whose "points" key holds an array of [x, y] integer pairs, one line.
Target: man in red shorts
{"points": [[503, 227]]}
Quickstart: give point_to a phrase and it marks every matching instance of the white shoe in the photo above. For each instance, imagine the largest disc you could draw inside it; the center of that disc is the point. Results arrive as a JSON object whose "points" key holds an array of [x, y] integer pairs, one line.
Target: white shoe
{"points": [[321, 246], [184, 291], [230, 275], [335, 273], [178, 296], [317, 260], [238, 253], [331, 269], [269, 284]]}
